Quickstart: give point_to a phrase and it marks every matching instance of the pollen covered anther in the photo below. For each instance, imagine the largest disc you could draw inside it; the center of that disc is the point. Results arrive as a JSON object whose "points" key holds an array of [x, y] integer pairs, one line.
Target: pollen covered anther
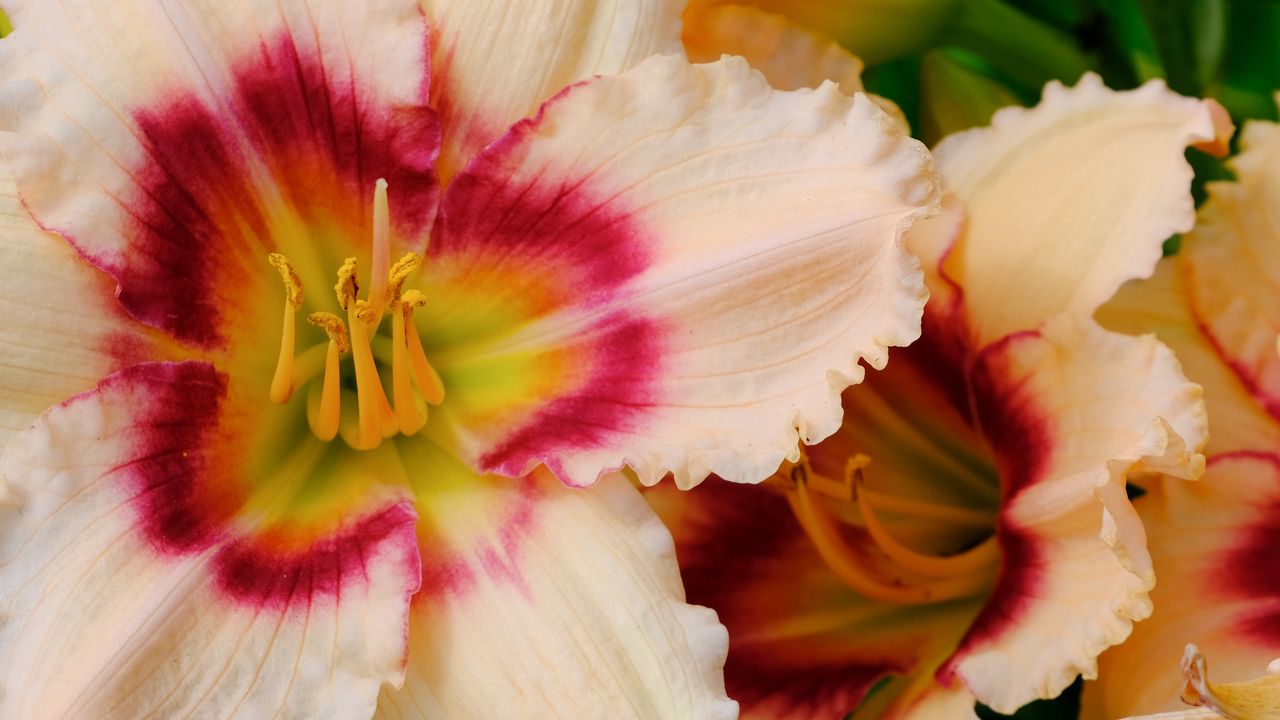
{"points": [[282, 379]]}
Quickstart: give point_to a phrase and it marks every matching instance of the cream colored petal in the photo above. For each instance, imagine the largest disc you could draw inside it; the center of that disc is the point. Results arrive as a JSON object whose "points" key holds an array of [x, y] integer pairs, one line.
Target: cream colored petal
{"points": [[62, 330], [1069, 199], [100, 617], [1232, 265], [541, 601], [1161, 305], [496, 61], [1072, 412], [790, 56], [722, 259]]}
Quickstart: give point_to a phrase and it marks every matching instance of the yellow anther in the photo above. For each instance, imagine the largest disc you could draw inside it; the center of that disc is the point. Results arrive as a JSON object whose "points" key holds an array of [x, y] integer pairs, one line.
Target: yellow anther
{"points": [[424, 376], [400, 272], [292, 283], [282, 379], [348, 286], [333, 327], [366, 313], [324, 423]]}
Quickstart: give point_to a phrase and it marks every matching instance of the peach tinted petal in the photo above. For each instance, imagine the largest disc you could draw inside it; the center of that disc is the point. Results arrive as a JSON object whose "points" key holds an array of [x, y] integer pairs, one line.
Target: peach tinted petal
{"points": [[790, 56], [691, 313], [126, 591], [496, 61], [174, 146], [1162, 305], [541, 601], [1232, 265], [1031, 250], [1213, 545], [1071, 413]]}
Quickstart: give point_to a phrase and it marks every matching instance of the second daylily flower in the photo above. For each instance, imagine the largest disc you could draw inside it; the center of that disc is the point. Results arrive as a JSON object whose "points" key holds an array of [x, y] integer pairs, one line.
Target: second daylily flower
{"points": [[675, 269], [967, 531]]}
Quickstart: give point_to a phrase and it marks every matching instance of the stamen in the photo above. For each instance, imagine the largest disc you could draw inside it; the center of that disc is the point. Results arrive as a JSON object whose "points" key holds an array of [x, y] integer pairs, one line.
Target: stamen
{"points": [[371, 317], [282, 380], [325, 422], [424, 376], [408, 416], [348, 286], [381, 244], [983, 557], [853, 565], [367, 383]]}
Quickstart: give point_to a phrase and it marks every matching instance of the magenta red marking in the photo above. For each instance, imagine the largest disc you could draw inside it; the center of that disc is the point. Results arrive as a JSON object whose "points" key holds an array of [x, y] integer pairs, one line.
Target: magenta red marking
{"points": [[595, 243], [624, 357], [185, 492], [1021, 436], [265, 576], [196, 216]]}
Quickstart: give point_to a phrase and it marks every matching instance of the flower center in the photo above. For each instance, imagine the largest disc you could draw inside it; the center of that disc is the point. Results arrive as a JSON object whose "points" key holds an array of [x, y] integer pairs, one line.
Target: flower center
{"points": [[415, 385], [867, 557]]}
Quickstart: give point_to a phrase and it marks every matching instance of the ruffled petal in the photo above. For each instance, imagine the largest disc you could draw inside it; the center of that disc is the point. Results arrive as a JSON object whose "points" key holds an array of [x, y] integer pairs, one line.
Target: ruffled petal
{"points": [[1162, 305], [1030, 249], [1213, 544], [174, 146], [62, 330], [804, 646], [496, 61], [790, 56], [540, 601], [1071, 412], [1232, 262], [687, 311], [127, 592]]}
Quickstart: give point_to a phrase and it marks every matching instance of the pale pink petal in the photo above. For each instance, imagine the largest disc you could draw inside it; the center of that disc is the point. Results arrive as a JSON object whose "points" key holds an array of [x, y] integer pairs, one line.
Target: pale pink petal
{"points": [[540, 601], [695, 263], [125, 591], [62, 330], [175, 144], [496, 61]]}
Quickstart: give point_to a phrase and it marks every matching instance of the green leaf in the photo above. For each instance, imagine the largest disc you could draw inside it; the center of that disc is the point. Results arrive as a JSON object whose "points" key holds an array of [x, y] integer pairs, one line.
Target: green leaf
{"points": [[1022, 48], [1064, 707], [957, 95]]}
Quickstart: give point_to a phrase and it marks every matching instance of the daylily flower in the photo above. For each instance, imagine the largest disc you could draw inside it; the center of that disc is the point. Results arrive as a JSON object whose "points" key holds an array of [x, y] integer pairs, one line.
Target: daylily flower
{"points": [[1217, 304], [966, 533], [672, 268]]}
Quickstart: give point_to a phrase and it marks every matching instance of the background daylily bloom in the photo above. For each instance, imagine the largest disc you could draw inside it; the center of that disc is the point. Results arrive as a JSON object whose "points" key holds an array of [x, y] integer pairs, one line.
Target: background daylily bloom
{"points": [[1217, 305], [673, 268], [967, 532]]}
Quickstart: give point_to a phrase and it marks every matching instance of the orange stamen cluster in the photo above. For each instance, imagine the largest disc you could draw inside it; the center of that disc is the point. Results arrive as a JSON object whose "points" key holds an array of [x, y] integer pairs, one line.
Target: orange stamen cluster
{"points": [[376, 417], [880, 566]]}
